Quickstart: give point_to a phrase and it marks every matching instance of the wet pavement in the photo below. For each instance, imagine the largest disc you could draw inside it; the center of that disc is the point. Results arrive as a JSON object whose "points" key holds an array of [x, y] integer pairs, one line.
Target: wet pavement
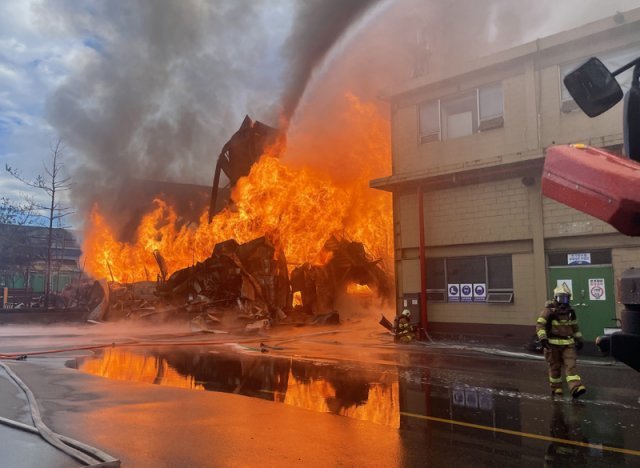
{"points": [[339, 396]]}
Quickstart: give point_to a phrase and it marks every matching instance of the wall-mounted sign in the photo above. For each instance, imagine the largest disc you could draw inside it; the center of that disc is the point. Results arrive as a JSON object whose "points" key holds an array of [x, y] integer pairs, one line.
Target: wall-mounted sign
{"points": [[597, 291], [453, 292], [579, 259], [466, 292], [479, 292]]}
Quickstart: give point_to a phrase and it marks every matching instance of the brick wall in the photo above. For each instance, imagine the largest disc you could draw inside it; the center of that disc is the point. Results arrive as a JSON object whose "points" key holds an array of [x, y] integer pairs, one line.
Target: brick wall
{"points": [[562, 221], [488, 212]]}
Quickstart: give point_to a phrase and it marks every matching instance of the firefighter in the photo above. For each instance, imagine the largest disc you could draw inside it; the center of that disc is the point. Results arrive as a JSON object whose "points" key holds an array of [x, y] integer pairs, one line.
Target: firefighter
{"points": [[557, 329], [403, 328]]}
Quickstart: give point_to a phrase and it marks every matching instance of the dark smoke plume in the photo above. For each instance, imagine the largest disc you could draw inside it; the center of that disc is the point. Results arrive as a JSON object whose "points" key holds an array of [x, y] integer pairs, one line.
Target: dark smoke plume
{"points": [[318, 24], [165, 83], [161, 86]]}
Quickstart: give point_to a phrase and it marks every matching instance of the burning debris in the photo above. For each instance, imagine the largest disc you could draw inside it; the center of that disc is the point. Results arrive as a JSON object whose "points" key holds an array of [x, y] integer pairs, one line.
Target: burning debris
{"points": [[250, 280], [320, 285], [244, 287]]}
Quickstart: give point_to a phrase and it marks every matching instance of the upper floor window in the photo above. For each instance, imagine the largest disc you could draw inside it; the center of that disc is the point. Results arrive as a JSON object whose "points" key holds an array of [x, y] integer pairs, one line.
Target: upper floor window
{"points": [[478, 110], [459, 116], [429, 121], [491, 106], [612, 60]]}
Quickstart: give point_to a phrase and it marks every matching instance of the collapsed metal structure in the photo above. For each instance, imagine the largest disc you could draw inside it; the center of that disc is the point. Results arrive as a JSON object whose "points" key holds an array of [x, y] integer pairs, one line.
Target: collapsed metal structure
{"points": [[241, 152]]}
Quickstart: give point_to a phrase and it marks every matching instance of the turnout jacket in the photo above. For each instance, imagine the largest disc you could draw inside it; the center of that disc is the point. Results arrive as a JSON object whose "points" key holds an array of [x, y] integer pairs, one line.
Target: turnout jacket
{"points": [[557, 323]]}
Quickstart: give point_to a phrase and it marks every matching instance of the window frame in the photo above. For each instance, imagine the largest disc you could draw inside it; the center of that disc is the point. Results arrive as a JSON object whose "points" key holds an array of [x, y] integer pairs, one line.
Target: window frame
{"points": [[459, 100], [438, 292], [479, 126], [492, 121], [432, 136]]}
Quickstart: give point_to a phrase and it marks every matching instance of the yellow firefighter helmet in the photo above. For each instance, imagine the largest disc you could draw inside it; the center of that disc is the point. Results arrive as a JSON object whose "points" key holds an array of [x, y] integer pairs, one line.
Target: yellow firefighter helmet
{"points": [[562, 294]]}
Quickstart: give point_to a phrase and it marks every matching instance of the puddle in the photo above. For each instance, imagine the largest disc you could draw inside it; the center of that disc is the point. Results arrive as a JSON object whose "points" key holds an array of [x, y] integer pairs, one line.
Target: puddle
{"points": [[322, 386]]}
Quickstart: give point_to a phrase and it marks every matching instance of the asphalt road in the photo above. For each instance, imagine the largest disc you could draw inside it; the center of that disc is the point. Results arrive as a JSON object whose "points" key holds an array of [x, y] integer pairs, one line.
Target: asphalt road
{"points": [[341, 396]]}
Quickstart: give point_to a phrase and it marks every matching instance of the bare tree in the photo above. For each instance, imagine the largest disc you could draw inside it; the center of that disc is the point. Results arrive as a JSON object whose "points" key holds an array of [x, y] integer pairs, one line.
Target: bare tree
{"points": [[53, 182], [18, 214]]}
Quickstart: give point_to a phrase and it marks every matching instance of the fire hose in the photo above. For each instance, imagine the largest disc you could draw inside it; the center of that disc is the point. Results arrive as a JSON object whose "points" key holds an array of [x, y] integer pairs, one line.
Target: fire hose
{"points": [[89, 456]]}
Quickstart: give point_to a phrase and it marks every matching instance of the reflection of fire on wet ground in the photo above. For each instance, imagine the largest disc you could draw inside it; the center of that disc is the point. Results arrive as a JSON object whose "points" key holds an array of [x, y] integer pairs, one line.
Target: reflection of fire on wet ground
{"points": [[304, 384]]}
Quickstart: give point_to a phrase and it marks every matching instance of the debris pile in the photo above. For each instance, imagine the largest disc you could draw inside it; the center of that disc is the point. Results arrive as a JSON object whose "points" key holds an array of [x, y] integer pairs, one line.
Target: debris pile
{"points": [[243, 287], [320, 285], [249, 279]]}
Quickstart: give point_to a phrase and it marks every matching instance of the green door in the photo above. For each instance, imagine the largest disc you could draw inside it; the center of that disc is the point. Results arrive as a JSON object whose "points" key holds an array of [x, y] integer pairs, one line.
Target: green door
{"points": [[592, 296]]}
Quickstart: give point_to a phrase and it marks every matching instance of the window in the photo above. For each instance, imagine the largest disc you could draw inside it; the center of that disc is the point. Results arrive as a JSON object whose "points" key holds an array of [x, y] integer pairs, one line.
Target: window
{"points": [[429, 121], [499, 272], [466, 270], [436, 280], [475, 111], [491, 106], [612, 60], [490, 278], [595, 257], [459, 116]]}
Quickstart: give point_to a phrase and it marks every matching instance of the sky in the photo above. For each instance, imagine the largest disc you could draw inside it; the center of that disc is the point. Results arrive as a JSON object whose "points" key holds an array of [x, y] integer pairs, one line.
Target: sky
{"points": [[153, 89]]}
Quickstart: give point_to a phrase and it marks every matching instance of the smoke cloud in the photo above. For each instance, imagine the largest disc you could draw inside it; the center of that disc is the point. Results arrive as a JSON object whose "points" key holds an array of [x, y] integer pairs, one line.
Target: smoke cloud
{"points": [[163, 84]]}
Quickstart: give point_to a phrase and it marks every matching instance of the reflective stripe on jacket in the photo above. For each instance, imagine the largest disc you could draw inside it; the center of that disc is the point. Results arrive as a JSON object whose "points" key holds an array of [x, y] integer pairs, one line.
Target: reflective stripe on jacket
{"points": [[558, 325], [404, 326]]}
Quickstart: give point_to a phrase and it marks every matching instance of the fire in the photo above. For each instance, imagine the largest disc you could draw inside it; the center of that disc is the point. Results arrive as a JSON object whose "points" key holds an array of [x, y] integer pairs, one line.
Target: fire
{"points": [[300, 204]]}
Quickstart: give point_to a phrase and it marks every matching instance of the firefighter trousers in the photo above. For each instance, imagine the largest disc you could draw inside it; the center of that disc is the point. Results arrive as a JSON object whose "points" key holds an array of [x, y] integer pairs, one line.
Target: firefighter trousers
{"points": [[558, 357]]}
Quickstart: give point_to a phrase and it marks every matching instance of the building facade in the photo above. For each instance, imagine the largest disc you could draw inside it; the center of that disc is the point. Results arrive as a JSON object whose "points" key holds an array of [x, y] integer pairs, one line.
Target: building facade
{"points": [[474, 235], [23, 258]]}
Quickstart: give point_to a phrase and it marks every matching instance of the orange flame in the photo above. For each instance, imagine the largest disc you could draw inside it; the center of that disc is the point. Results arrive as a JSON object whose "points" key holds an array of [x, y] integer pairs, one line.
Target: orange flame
{"points": [[300, 204]]}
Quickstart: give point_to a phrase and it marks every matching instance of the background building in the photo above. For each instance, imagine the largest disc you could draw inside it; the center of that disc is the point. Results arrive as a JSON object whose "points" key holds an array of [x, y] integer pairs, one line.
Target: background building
{"points": [[468, 149], [23, 258]]}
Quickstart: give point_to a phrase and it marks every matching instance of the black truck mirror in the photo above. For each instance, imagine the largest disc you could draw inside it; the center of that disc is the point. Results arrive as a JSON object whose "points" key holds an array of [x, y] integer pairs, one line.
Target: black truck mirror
{"points": [[632, 118], [593, 87]]}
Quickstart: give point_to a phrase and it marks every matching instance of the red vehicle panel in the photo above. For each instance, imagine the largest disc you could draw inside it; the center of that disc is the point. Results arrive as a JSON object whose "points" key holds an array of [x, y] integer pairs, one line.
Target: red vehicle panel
{"points": [[595, 182]]}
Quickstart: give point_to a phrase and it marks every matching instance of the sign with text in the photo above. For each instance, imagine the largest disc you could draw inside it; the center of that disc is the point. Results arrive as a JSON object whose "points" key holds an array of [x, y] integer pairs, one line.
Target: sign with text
{"points": [[579, 259], [597, 290]]}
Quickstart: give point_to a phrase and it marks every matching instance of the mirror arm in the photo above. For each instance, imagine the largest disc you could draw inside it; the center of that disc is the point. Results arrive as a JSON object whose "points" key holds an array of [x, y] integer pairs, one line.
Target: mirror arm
{"points": [[626, 67]]}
